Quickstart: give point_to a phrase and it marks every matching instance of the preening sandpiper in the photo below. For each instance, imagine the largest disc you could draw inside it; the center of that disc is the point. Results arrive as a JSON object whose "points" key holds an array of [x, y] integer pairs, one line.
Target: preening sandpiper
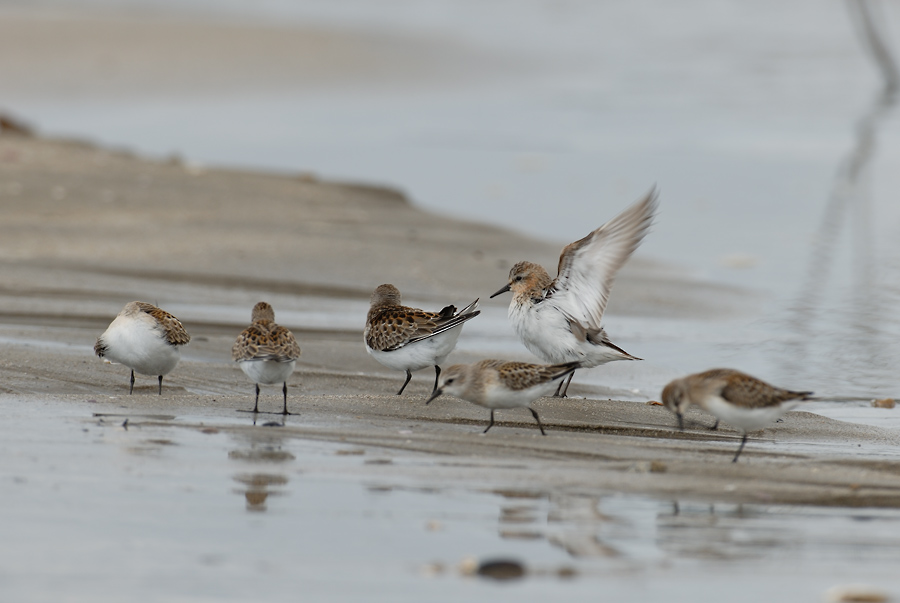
{"points": [[144, 338], [409, 339]]}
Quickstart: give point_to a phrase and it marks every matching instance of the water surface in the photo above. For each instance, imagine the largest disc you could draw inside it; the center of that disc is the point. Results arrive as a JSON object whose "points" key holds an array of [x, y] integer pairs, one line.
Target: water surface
{"points": [[180, 507]]}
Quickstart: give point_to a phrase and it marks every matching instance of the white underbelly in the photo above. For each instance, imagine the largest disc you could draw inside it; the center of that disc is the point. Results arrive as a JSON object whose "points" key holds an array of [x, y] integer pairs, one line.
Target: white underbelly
{"points": [[747, 419], [142, 350], [546, 333], [503, 398], [267, 371], [421, 354]]}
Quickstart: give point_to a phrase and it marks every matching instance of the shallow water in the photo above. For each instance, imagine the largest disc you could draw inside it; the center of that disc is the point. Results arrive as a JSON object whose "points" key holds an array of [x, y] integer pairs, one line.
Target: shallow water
{"points": [[180, 508]]}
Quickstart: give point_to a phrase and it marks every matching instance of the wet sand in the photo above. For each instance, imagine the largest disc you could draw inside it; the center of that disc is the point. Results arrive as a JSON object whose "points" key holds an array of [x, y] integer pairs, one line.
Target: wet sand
{"points": [[87, 229]]}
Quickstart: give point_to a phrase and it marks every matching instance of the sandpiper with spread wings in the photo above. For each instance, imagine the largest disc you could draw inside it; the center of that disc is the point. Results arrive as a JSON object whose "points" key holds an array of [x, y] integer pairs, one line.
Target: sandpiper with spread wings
{"points": [[145, 339], [409, 339], [732, 396], [266, 352], [497, 384], [558, 319]]}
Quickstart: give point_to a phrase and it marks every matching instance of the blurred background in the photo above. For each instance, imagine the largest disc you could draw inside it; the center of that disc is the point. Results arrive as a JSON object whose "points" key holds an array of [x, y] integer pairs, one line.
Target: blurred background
{"points": [[769, 128]]}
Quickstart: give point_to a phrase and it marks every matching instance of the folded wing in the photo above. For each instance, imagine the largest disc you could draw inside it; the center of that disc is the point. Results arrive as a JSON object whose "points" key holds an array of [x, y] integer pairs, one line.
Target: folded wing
{"points": [[397, 327]]}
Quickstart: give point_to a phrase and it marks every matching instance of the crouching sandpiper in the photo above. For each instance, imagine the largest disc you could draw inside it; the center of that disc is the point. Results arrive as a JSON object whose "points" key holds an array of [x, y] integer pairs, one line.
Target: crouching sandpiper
{"points": [[734, 397], [497, 384], [410, 339]]}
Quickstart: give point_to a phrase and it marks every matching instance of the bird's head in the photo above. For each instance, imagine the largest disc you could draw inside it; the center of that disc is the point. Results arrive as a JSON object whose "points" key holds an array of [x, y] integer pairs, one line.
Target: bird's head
{"points": [[675, 398], [526, 276], [452, 382]]}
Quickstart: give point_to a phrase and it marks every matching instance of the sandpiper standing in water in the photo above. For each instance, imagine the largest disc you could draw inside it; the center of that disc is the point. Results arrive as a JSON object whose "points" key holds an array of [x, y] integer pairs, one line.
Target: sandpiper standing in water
{"points": [[145, 339], [266, 352]]}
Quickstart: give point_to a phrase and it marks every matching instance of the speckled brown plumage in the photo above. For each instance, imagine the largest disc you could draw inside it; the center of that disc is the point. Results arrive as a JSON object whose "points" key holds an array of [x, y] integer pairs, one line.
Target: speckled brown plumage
{"points": [[745, 390], [175, 332], [390, 325], [265, 340], [734, 397], [522, 375]]}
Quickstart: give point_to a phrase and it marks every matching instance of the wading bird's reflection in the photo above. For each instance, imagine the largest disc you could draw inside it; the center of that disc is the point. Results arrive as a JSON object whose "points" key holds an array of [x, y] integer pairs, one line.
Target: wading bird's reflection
{"points": [[260, 447], [706, 531], [811, 319], [258, 487]]}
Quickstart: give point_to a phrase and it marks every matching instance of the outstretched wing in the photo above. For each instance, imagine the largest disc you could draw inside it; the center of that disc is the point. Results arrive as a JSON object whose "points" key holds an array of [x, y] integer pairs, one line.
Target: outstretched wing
{"points": [[588, 266]]}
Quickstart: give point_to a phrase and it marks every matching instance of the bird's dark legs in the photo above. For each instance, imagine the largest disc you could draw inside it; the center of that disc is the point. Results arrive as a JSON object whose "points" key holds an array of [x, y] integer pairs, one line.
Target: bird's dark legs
{"points": [[160, 385], [491, 424], [284, 390], [741, 447], [536, 418], [437, 374], [405, 383], [561, 391], [131, 390], [680, 421], [255, 409]]}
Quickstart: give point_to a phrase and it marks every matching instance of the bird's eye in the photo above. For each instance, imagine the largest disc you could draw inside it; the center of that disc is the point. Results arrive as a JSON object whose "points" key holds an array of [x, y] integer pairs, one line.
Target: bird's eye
{"points": [[449, 381], [518, 278]]}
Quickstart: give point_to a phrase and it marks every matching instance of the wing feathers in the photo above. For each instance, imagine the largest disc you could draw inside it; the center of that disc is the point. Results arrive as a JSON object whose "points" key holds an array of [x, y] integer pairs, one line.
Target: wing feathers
{"points": [[588, 266], [396, 326]]}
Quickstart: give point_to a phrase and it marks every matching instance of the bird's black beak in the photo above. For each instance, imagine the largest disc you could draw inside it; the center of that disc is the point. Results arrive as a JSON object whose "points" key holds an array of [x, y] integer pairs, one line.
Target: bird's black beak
{"points": [[434, 395], [503, 290], [680, 421]]}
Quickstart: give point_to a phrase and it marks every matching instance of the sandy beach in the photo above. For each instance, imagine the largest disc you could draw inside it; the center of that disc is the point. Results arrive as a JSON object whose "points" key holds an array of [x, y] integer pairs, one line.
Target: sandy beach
{"points": [[87, 229]]}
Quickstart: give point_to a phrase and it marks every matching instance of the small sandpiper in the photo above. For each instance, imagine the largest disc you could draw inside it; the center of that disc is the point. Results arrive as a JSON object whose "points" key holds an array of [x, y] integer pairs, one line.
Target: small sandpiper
{"points": [[409, 339], [558, 319], [732, 396], [497, 384], [266, 352], [145, 339]]}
